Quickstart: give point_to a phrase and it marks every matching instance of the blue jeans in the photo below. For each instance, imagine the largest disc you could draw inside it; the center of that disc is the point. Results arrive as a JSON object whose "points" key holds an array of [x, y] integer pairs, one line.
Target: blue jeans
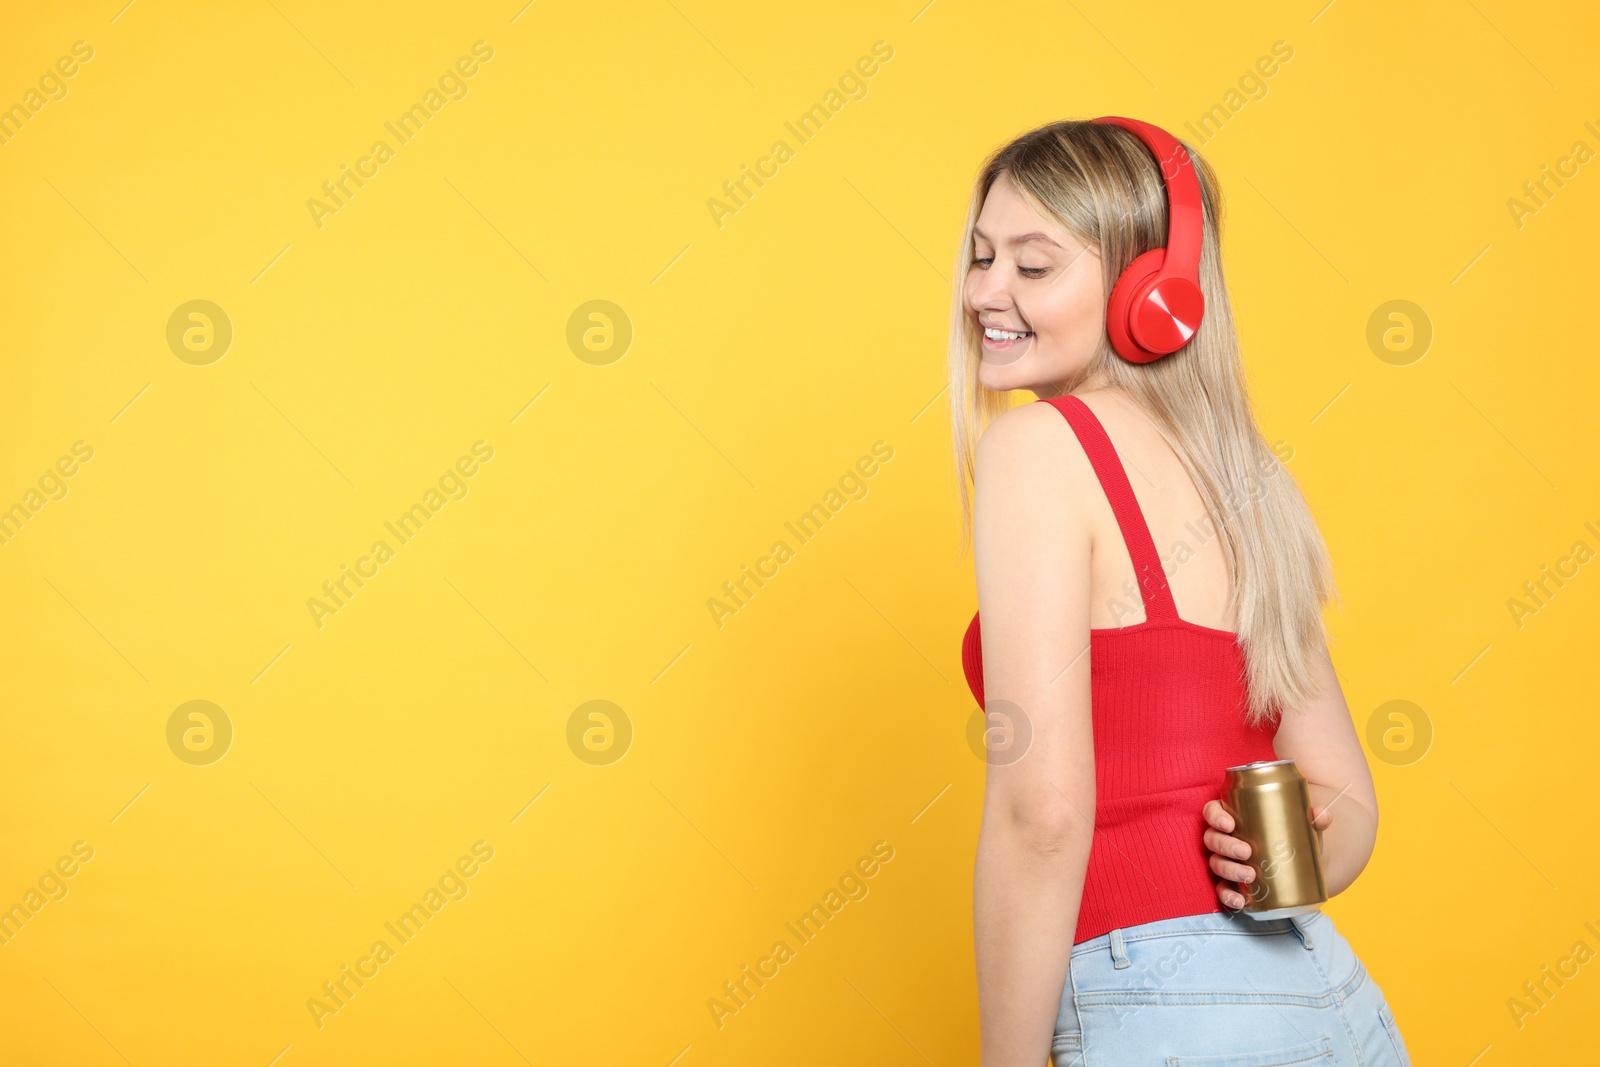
{"points": [[1224, 990]]}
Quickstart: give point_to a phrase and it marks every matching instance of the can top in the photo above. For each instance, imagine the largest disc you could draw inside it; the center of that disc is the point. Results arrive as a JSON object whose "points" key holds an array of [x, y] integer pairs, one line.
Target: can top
{"points": [[1262, 763], [1264, 773]]}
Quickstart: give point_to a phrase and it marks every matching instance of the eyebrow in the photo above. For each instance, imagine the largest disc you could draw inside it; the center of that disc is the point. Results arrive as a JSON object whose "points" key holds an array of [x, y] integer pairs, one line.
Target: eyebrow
{"points": [[1034, 235]]}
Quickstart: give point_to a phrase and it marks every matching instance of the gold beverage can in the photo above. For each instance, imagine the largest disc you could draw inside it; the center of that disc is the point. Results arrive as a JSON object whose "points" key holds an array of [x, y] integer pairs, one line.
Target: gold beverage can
{"points": [[1271, 808]]}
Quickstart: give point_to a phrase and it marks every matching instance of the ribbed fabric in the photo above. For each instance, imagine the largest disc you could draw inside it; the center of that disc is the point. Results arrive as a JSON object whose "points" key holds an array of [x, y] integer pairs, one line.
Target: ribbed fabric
{"points": [[1168, 703]]}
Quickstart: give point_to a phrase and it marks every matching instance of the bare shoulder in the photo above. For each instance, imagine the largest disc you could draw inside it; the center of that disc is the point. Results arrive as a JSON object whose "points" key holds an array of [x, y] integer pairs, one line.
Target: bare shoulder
{"points": [[1032, 490], [1032, 443]]}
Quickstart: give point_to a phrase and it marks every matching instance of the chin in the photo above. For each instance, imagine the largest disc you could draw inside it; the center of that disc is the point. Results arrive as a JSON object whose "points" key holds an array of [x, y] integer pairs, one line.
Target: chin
{"points": [[1025, 373], [1001, 379], [1015, 374]]}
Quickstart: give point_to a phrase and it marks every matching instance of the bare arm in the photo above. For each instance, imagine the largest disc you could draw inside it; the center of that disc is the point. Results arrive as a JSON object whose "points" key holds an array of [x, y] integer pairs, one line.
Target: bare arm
{"points": [[1321, 739], [1032, 556]]}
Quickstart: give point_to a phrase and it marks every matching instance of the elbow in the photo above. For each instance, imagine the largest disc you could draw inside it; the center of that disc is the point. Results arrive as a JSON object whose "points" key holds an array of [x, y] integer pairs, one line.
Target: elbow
{"points": [[1060, 845], [1049, 827]]}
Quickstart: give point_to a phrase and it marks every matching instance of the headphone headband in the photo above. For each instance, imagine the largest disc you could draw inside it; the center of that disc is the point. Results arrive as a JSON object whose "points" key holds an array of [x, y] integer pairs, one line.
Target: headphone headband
{"points": [[1156, 305]]}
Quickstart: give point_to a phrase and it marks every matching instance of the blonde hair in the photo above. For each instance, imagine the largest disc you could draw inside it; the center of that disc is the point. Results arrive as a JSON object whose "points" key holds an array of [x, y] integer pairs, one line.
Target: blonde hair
{"points": [[1103, 185]]}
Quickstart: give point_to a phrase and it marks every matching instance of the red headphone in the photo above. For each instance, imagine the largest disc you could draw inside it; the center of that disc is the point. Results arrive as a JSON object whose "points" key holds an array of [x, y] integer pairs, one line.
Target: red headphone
{"points": [[1156, 304]]}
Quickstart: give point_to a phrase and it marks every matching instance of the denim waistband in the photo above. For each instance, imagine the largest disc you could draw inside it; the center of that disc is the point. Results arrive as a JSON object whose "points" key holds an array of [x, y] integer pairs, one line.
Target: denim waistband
{"points": [[1212, 922]]}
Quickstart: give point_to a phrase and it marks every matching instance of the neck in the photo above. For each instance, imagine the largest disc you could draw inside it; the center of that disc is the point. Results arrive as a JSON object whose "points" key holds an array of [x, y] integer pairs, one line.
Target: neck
{"points": [[1050, 390]]}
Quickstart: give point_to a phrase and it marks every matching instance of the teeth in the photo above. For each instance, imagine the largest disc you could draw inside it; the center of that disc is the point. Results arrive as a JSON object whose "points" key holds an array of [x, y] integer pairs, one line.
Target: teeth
{"points": [[1002, 335]]}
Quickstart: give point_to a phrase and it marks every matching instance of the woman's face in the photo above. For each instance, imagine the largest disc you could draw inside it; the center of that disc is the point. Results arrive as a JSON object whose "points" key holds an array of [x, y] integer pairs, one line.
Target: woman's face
{"points": [[1031, 276]]}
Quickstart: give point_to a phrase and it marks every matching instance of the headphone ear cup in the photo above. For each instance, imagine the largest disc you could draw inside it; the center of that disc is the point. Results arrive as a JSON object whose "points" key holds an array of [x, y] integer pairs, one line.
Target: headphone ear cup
{"points": [[1122, 306]]}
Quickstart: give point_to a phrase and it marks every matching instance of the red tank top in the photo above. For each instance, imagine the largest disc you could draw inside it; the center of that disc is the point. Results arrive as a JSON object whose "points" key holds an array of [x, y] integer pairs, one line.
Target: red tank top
{"points": [[1168, 702]]}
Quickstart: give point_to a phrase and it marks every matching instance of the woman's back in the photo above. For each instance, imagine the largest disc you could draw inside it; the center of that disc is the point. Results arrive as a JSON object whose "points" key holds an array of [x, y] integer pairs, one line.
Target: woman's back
{"points": [[1185, 538], [1167, 694]]}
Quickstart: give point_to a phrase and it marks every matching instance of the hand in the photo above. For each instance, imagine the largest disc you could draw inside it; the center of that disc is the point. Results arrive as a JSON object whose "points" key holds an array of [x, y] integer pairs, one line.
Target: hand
{"points": [[1226, 850], [1226, 855]]}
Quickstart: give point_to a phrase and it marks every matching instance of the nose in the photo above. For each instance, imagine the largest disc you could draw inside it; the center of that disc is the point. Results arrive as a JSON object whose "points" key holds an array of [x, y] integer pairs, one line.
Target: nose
{"points": [[986, 289]]}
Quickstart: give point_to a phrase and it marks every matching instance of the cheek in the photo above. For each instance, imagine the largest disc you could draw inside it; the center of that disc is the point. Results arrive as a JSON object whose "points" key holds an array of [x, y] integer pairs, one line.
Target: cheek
{"points": [[1087, 312], [1072, 317], [969, 287], [1092, 311]]}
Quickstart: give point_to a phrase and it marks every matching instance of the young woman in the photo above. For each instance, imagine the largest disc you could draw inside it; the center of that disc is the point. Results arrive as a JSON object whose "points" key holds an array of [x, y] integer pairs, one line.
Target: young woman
{"points": [[1150, 582]]}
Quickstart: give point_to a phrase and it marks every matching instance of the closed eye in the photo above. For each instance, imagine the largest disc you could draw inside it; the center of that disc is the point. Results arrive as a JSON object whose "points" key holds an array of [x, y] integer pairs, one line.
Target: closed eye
{"points": [[1030, 272]]}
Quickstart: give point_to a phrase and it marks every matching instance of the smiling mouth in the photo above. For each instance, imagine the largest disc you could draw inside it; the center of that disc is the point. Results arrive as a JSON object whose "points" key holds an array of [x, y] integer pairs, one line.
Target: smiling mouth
{"points": [[999, 340]]}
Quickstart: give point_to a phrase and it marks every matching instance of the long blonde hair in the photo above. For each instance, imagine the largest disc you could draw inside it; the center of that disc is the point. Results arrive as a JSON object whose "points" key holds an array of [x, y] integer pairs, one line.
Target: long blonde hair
{"points": [[1103, 185]]}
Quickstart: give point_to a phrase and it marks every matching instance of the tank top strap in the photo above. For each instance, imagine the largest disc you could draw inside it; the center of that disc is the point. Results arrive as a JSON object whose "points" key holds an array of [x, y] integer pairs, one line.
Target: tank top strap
{"points": [[1153, 589]]}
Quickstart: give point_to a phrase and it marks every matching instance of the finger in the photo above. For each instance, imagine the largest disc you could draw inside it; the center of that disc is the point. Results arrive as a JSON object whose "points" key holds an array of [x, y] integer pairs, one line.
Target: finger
{"points": [[1225, 868], [1220, 832], [1224, 845], [1229, 896], [1218, 816]]}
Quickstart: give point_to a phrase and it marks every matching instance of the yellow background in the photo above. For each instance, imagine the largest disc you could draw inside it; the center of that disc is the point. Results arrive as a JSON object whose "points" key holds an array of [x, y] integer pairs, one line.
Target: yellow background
{"points": [[768, 355]]}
